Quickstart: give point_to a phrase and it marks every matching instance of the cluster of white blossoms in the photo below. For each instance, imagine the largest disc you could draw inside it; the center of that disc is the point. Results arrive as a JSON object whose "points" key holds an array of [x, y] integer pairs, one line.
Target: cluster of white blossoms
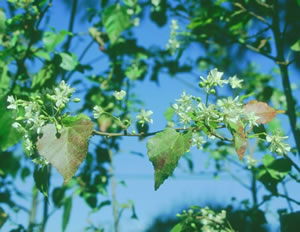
{"points": [[142, 118], [32, 114], [206, 219], [192, 112], [173, 44], [276, 144]]}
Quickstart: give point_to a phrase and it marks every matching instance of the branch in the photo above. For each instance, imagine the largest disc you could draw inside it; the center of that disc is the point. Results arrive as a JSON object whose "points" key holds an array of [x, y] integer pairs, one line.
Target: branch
{"points": [[293, 163], [254, 49], [113, 192], [258, 17], [107, 134], [291, 103], [71, 24], [288, 198]]}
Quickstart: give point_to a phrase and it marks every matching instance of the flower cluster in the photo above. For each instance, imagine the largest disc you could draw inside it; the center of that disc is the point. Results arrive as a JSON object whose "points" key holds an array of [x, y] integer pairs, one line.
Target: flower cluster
{"points": [[119, 95], [62, 94], [33, 114], [214, 79], [184, 108], [230, 113], [276, 144], [204, 219], [144, 117], [173, 44]]}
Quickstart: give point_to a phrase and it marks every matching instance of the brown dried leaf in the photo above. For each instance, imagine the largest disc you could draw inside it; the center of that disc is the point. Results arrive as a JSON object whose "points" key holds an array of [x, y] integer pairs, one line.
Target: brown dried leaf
{"points": [[262, 110]]}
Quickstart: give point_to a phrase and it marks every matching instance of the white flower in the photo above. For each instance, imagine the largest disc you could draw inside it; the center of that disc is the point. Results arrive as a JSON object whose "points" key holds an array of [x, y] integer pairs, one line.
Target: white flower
{"points": [[277, 145], [235, 82], [28, 144], [208, 114], [232, 108], [12, 103], [119, 95], [144, 116], [198, 141], [213, 79], [97, 111], [16, 125], [250, 161], [173, 43], [174, 25], [62, 94], [252, 119]]}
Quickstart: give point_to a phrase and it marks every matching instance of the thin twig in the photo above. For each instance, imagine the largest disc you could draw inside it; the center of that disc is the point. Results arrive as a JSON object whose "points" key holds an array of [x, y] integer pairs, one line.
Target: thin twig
{"points": [[286, 193], [291, 103], [71, 24], [293, 163], [113, 192], [288, 198], [258, 17]]}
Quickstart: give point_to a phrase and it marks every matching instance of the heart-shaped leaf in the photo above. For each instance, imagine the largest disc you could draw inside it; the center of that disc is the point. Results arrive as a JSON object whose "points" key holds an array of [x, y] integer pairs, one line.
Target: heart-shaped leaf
{"points": [[68, 151], [165, 150], [262, 110]]}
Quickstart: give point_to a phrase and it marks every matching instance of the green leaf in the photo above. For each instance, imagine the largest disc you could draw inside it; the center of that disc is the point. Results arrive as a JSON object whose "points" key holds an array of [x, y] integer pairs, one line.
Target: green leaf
{"points": [[169, 113], [67, 151], [177, 228], [9, 136], [69, 62], [41, 179], [277, 168], [2, 21], [67, 213], [298, 1], [4, 78], [115, 20], [165, 150], [43, 54], [296, 46], [58, 196], [52, 39], [42, 76]]}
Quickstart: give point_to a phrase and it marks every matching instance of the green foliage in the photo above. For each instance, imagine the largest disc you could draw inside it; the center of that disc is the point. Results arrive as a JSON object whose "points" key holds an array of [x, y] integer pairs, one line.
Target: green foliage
{"points": [[8, 135], [115, 20], [51, 39], [69, 62], [296, 46], [41, 179], [67, 213], [165, 150]]}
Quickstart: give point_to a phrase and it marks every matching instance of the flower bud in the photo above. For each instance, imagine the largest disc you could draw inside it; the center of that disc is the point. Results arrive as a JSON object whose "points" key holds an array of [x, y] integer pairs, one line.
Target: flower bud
{"points": [[212, 91], [49, 97], [76, 100], [201, 84], [58, 127], [40, 102]]}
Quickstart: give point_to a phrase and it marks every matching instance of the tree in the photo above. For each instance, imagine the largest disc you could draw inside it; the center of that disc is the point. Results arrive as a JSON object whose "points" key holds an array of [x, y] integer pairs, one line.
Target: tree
{"points": [[37, 83]]}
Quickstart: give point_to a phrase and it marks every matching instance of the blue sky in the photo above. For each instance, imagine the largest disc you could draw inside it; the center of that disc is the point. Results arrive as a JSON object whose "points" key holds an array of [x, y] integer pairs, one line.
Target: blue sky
{"points": [[136, 171]]}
